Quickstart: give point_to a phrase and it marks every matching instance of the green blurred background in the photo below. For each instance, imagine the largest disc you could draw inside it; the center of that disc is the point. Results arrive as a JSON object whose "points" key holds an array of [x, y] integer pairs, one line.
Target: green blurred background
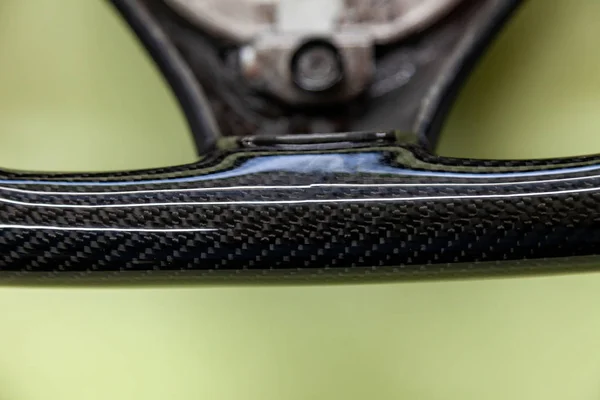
{"points": [[78, 93]]}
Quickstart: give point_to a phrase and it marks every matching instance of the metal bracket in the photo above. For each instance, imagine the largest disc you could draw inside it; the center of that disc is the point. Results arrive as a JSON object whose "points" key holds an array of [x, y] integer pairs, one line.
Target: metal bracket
{"points": [[414, 83]]}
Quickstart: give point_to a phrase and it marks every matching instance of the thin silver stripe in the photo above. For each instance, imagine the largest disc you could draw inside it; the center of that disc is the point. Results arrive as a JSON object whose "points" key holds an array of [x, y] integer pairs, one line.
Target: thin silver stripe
{"points": [[307, 201], [296, 187]]}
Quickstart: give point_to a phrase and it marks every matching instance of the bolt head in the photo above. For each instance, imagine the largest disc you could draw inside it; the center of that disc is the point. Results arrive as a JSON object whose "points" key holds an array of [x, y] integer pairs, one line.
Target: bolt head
{"points": [[317, 67]]}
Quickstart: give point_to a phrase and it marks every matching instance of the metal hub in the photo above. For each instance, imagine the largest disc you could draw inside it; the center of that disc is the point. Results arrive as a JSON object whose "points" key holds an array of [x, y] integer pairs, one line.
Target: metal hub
{"points": [[273, 34]]}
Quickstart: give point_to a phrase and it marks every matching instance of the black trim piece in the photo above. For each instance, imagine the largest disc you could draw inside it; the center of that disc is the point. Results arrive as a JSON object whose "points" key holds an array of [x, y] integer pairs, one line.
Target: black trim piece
{"points": [[175, 71], [432, 127]]}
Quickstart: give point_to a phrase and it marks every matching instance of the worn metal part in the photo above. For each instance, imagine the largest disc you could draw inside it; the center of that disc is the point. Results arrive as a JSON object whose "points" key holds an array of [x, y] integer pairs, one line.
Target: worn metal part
{"points": [[269, 65], [413, 81], [241, 21], [271, 32], [236, 20], [390, 21], [317, 67]]}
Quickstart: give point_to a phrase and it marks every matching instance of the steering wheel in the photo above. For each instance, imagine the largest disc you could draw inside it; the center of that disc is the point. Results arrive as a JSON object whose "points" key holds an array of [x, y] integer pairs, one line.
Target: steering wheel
{"points": [[316, 123]]}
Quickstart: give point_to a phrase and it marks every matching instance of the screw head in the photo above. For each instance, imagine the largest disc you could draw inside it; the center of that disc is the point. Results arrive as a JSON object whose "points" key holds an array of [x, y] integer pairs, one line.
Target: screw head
{"points": [[317, 67]]}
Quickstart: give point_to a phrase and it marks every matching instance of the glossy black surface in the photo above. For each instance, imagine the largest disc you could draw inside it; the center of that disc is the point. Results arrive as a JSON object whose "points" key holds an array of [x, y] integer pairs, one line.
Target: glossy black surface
{"points": [[377, 206]]}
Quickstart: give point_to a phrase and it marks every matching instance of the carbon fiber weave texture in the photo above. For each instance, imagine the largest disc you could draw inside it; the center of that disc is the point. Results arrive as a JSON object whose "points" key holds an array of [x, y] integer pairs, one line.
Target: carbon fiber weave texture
{"points": [[408, 210]]}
